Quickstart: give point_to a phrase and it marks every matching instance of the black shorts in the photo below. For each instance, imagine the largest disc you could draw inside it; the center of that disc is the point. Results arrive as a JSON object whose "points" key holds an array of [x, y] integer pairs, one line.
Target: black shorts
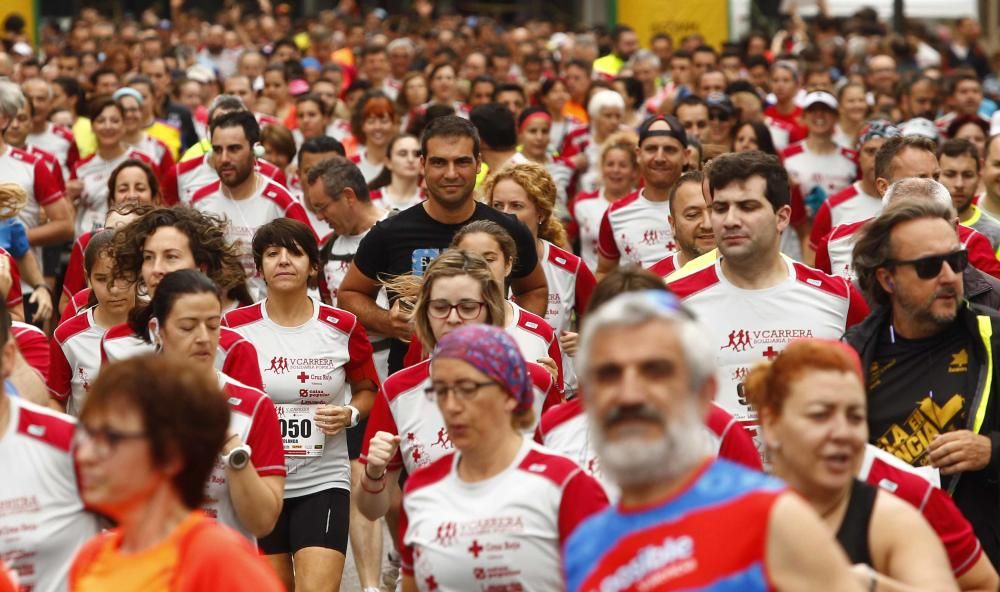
{"points": [[316, 520], [355, 439]]}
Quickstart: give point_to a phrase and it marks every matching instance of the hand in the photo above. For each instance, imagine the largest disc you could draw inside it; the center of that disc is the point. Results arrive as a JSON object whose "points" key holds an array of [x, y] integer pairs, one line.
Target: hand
{"points": [[568, 342], [550, 365], [74, 189], [960, 451], [424, 8], [331, 419], [381, 449], [42, 300], [580, 162], [402, 321]]}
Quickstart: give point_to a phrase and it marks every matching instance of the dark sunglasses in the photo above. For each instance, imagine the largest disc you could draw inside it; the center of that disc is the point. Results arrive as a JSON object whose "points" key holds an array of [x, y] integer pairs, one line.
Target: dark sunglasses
{"points": [[719, 115], [930, 267]]}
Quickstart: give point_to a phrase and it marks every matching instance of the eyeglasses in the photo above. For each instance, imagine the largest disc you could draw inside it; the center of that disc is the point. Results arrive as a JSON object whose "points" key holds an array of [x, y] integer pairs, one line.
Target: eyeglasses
{"points": [[467, 309], [718, 115], [465, 390], [930, 267], [103, 440]]}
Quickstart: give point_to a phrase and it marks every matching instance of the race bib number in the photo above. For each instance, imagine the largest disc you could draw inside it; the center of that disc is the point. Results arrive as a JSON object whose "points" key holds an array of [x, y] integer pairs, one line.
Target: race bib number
{"points": [[299, 433]]}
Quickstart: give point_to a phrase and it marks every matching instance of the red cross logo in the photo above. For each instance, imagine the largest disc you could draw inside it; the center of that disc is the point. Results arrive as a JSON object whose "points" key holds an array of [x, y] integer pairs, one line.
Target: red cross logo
{"points": [[770, 353], [410, 436], [416, 455], [475, 549], [303, 377], [431, 583]]}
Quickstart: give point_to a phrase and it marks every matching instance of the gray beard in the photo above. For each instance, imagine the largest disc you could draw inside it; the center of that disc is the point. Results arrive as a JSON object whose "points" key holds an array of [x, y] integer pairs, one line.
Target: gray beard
{"points": [[632, 461]]}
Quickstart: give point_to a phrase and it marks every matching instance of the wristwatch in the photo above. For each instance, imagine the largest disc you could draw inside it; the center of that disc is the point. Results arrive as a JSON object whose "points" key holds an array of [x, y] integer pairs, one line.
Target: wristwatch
{"points": [[355, 415], [238, 458]]}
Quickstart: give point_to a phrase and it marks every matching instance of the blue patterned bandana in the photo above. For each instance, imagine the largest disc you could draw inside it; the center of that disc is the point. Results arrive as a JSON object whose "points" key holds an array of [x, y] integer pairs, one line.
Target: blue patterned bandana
{"points": [[493, 352]]}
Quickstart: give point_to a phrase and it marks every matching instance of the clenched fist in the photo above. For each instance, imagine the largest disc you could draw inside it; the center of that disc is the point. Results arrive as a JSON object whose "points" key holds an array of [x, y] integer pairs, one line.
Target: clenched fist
{"points": [[381, 449]]}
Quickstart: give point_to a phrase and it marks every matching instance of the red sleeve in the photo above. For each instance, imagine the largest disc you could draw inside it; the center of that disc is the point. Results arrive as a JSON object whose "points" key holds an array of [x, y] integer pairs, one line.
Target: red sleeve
{"points": [[738, 446], [69, 310], [585, 284], [954, 531], [14, 296], [60, 373], [822, 225], [582, 497], [361, 365], [46, 188], [241, 364], [279, 175], [74, 281], [555, 352], [414, 353], [982, 256], [266, 449], [167, 165], [405, 552], [606, 245], [857, 308], [72, 155], [34, 347], [823, 255], [168, 186], [380, 419], [57, 174]]}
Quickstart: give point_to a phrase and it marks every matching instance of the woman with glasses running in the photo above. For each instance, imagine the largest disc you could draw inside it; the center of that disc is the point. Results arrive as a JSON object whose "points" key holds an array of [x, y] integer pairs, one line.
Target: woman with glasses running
{"points": [[531, 498], [405, 428], [144, 449]]}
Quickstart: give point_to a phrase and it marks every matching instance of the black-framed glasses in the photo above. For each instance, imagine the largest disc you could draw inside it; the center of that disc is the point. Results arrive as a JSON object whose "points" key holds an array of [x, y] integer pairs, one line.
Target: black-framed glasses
{"points": [[467, 309], [930, 267], [465, 390], [104, 440]]}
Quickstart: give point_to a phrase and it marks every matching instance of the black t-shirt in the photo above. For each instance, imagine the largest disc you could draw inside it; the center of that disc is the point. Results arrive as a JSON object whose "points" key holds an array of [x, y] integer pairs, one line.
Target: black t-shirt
{"points": [[919, 388], [410, 240]]}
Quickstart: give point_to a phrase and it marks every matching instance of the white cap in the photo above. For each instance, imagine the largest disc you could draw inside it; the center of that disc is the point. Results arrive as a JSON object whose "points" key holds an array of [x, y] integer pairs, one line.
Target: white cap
{"points": [[920, 126], [820, 97], [201, 73]]}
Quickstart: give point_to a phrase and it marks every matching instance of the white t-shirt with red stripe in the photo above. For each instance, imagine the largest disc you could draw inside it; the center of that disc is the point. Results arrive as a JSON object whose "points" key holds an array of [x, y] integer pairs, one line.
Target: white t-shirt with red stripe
{"points": [[827, 174], [384, 200], [253, 418], [52, 162], [751, 325], [245, 216], [42, 521], [402, 408], [59, 142], [33, 344], [75, 359], [195, 173], [588, 211], [94, 172], [502, 533], [666, 266], [536, 339], [309, 365], [850, 205], [570, 285], [33, 175], [635, 231]]}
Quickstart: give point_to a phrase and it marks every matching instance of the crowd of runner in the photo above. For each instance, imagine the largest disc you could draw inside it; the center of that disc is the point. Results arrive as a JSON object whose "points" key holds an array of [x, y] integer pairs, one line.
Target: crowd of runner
{"points": [[555, 309]]}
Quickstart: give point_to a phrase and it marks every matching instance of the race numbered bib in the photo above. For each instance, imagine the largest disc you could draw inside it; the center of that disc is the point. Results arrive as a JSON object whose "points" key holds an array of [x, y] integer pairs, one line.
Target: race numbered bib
{"points": [[299, 433]]}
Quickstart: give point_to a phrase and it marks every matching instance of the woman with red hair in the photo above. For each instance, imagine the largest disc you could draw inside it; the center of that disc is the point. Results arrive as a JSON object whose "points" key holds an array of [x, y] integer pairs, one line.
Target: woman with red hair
{"points": [[812, 408], [374, 124]]}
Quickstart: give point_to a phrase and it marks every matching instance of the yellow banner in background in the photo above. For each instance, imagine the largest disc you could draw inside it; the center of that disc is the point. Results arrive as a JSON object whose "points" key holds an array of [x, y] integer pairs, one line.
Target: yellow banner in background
{"points": [[679, 18], [25, 8]]}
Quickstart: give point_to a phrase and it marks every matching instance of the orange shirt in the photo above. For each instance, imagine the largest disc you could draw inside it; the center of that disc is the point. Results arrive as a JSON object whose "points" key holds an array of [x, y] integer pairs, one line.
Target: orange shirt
{"points": [[573, 109], [200, 554]]}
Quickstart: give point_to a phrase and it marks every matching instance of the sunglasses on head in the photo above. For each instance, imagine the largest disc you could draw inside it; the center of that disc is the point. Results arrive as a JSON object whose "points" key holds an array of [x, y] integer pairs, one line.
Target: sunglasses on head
{"points": [[930, 267]]}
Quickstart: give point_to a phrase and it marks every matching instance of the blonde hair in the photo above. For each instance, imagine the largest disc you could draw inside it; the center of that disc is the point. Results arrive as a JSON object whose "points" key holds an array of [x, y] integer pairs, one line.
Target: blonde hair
{"points": [[627, 141], [13, 198], [537, 183]]}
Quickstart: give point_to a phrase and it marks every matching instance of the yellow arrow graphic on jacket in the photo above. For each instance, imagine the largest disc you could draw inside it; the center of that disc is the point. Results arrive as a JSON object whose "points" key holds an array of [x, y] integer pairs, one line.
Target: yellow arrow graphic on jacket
{"points": [[942, 415]]}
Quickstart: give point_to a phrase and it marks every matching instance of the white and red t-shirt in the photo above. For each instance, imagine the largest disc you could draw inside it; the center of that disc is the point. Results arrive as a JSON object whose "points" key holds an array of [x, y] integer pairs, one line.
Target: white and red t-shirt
{"points": [[303, 367], [635, 230], [94, 172], [320, 228], [751, 325], [235, 357], [782, 133], [253, 418], [245, 216], [76, 304], [369, 169], [566, 430], [819, 176], [570, 284], [587, 210], [31, 173], [59, 142], [502, 533], [33, 344], [883, 470], [666, 266], [402, 408], [191, 175], [75, 279], [52, 162], [383, 199], [536, 339], [14, 295], [850, 205], [43, 522], [75, 359], [163, 159]]}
